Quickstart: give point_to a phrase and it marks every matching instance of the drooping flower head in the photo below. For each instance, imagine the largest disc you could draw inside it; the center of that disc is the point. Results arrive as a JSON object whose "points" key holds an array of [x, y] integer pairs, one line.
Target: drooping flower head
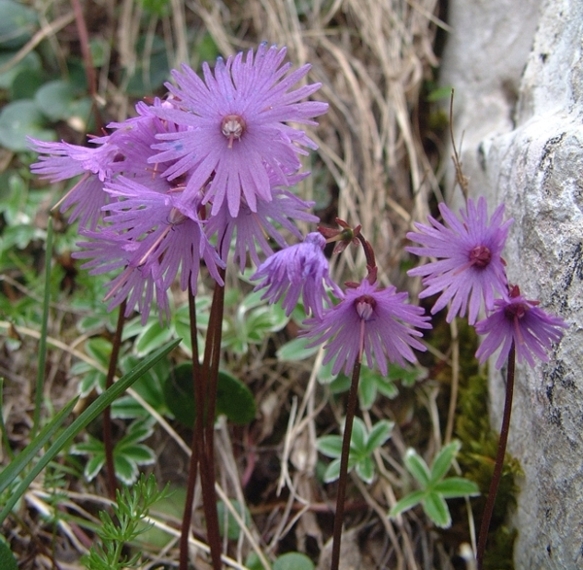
{"points": [[298, 270], [469, 266], [371, 321], [236, 129], [515, 320]]}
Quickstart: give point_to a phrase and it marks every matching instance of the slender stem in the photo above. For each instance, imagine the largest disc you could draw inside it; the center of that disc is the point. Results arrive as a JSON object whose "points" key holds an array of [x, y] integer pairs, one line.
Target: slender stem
{"points": [[210, 371], [87, 60], [497, 474], [339, 513], [107, 433], [197, 432], [42, 345]]}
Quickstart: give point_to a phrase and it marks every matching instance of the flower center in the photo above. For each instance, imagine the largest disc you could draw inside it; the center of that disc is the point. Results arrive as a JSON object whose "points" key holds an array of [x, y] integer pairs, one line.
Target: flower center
{"points": [[480, 256], [516, 311], [365, 306], [233, 127]]}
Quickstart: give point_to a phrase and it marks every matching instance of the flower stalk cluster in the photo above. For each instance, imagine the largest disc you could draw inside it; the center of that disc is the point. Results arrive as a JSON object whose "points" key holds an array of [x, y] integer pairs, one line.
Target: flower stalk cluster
{"points": [[204, 178]]}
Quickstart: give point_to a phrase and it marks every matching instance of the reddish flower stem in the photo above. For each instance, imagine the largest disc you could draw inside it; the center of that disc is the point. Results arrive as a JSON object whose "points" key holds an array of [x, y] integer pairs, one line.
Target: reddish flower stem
{"points": [[194, 456], [497, 474], [107, 432], [343, 477]]}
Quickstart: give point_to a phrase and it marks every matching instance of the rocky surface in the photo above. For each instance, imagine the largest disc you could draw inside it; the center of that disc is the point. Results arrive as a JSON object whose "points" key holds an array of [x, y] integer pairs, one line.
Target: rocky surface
{"points": [[517, 70]]}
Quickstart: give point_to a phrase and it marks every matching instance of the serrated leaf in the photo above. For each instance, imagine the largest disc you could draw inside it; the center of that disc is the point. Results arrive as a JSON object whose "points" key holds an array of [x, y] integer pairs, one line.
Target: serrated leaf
{"points": [[436, 509], [442, 462], [407, 502], [330, 445], [417, 467], [453, 487]]}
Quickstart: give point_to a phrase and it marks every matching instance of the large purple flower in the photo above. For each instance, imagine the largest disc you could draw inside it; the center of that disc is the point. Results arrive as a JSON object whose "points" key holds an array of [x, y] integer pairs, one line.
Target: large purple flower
{"points": [[515, 320], [236, 129], [298, 270], [375, 322], [469, 265]]}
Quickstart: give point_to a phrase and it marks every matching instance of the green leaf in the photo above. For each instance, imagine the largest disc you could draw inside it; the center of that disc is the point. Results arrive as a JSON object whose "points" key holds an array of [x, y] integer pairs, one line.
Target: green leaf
{"points": [[330, 445], [295, 350], [367, 390], [358, 436], [365, 469], [94, 466], [442, 462], [453, 487], [407, 502], [30, 62], [7, 559], [126, 470], [293, 561], [17, 465], [379, 434], [234, 399], [19, 120], [82, 421], [436, 509], [17, 24], [417, 467], [228, 525], [332, 471], [152, 336]]}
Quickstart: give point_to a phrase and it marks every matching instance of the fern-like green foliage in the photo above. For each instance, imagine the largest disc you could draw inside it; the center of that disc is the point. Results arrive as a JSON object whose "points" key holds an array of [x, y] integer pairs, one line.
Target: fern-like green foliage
{"points": [[130, 509]]}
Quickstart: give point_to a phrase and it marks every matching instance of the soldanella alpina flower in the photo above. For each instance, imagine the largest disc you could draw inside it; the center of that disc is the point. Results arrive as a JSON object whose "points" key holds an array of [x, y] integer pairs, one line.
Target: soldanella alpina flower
{"points": [[516, 320], [469, 267], [296, 271], [371, 321], [235, 127]]}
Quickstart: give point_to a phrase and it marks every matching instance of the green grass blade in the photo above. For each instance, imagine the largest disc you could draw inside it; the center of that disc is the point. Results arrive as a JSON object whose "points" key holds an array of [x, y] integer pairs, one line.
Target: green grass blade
{"points": [[96, 408], [30, 451], [42, 346]]}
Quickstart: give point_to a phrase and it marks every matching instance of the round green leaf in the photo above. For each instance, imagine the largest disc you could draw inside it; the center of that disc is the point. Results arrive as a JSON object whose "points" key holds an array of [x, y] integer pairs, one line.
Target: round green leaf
{"points": [[234, 399], [20, 119], [30, 61], [17, 24], [293, 561]]}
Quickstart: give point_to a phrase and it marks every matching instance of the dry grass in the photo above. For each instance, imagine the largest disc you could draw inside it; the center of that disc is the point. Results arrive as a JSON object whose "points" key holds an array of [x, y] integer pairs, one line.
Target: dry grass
{"points": [[372, 58]]}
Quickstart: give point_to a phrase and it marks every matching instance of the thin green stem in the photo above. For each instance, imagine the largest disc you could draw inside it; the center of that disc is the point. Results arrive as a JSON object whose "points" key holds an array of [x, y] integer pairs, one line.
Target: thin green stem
{"points": [[107, 431], [197, 433], [42, 346], [497, 474], [339, 513]]}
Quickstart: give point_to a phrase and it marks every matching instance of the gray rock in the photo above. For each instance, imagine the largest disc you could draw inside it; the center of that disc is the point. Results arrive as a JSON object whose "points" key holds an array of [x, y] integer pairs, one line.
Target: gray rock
{"points": [[518, 73]]}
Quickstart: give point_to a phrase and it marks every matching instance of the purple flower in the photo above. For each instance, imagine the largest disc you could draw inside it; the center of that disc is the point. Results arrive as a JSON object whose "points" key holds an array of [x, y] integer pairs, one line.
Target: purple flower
{"points": [[516, 320], [375, 322], [252, 229], [298, 270], [62, 161], [235, 129], [469, 266]]}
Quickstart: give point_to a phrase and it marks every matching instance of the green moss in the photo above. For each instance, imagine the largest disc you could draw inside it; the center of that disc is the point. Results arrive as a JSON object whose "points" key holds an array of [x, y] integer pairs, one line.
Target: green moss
{"points": [[479, 447]]}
